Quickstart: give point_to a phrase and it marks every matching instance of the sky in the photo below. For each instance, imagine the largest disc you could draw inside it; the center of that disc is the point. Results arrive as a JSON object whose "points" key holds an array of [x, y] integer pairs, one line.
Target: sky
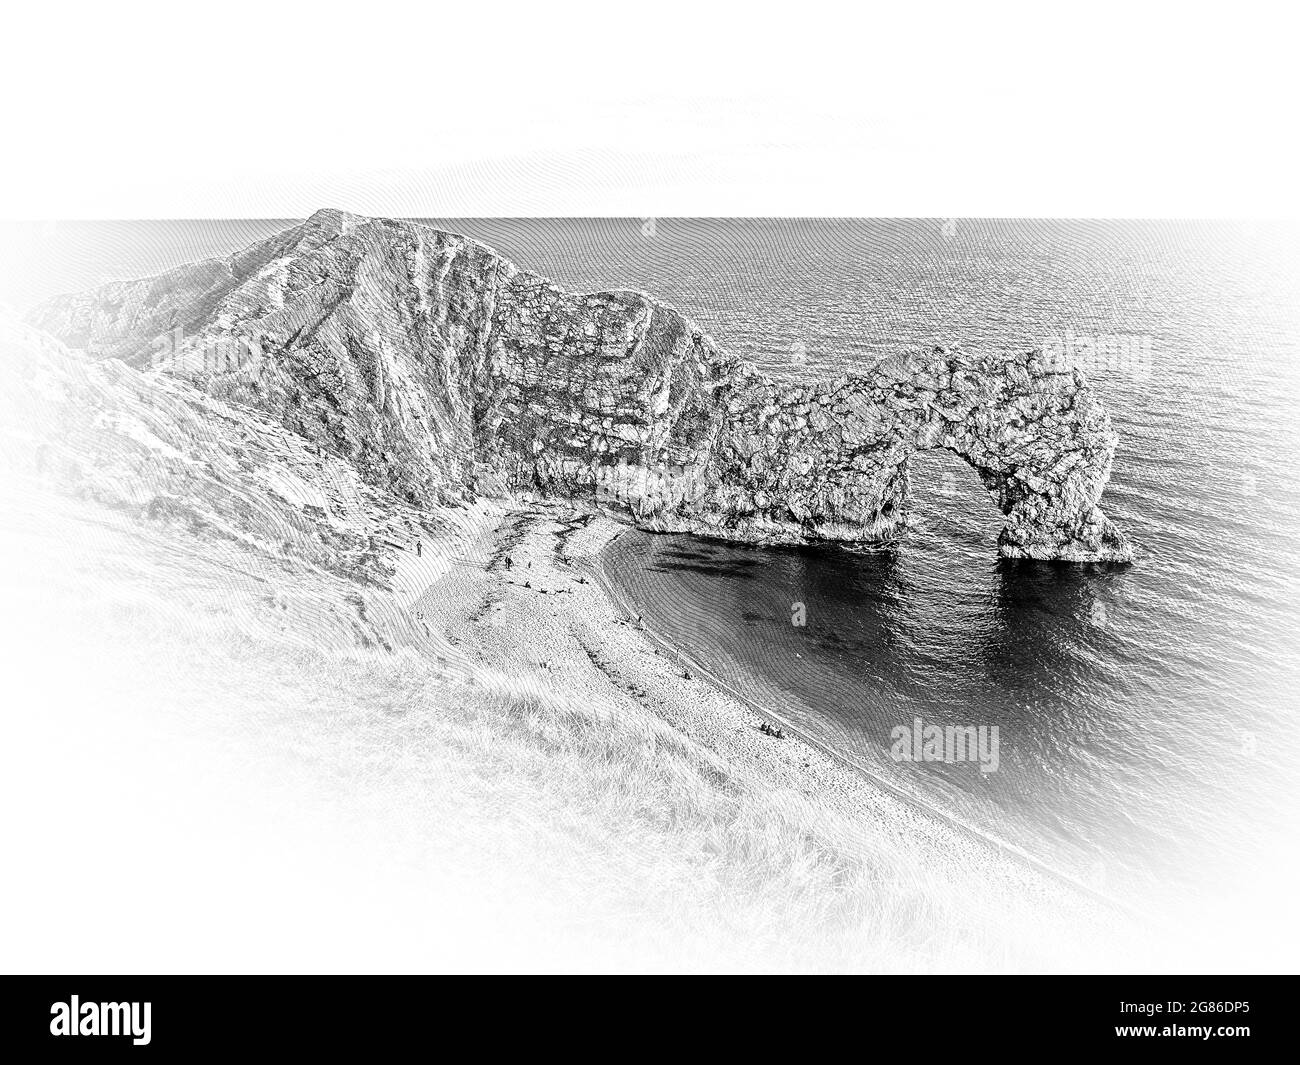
{"points": [[138, 110]]}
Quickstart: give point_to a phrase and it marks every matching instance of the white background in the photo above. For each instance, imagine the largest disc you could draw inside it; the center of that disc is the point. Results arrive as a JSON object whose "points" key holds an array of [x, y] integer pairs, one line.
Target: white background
{"points": [[222, 110], [131, 110]]}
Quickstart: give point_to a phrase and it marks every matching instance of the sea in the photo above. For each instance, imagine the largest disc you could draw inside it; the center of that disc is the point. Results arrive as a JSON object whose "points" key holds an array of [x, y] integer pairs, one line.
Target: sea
{"points": [[1145, 715]]}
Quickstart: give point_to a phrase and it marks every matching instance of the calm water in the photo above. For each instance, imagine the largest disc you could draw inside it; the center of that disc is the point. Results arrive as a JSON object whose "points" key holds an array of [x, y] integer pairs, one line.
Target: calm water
{"points": [[1147, 714]]}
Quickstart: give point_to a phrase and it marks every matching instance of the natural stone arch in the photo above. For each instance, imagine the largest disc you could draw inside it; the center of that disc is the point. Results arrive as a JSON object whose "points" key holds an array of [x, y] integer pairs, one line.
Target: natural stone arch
{"points": [[830, 460], [1041, 444]]}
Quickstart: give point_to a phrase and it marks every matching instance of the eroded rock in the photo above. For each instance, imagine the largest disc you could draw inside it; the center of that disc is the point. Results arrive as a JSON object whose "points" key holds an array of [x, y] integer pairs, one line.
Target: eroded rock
{"points": [[440, 370]]}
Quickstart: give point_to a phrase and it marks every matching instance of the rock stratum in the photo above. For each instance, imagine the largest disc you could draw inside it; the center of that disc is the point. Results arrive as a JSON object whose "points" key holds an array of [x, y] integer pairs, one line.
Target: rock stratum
{"points": [[439, 370]]}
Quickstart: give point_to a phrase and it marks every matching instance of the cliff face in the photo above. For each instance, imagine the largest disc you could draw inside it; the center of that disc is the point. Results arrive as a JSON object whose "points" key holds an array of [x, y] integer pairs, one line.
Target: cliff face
{"points": [[439, 369], [157, 448]]}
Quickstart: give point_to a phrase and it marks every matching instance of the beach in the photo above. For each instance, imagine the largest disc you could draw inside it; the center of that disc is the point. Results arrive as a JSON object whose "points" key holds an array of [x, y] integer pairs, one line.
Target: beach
{"points": [[526, 605]]}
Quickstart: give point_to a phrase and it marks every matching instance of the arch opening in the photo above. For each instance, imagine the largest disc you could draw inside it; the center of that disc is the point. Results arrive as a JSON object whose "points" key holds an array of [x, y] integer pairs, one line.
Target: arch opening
{"points": [[948, 498]]}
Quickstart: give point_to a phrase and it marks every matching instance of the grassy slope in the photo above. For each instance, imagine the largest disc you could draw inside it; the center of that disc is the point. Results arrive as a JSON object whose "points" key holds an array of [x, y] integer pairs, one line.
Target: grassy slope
{"points": [[604, 831]]}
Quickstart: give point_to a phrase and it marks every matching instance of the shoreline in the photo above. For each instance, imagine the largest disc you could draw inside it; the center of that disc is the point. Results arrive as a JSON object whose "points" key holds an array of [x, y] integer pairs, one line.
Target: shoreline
{"points": [[551, 620], [859, 771]]}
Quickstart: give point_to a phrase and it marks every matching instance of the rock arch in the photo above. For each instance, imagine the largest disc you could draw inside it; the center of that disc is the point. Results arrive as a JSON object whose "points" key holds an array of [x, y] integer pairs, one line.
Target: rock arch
{"points": [[1042, 445], [830, 460]]}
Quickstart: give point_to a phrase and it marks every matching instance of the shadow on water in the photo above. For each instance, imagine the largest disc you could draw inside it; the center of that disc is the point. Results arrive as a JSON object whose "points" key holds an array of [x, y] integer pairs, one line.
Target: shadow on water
{"points": [[853, 644], [935, 628]]}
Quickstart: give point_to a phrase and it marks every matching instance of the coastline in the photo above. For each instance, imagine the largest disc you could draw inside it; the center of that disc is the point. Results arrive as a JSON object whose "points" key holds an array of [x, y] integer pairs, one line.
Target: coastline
{"points": [[552, 621], [843, 763], [469, 664]]}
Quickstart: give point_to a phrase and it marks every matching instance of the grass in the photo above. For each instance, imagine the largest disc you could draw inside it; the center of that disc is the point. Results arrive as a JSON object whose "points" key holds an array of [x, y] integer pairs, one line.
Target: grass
{"points": [[627, 843]]}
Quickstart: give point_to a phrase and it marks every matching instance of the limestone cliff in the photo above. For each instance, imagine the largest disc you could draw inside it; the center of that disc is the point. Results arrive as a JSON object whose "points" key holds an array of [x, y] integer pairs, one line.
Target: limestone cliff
{"points": [[438, 369]]}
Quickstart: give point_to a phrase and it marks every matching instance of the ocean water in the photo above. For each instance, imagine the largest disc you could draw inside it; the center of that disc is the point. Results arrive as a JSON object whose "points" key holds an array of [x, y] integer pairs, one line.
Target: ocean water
{"points": [[1147, 715]]}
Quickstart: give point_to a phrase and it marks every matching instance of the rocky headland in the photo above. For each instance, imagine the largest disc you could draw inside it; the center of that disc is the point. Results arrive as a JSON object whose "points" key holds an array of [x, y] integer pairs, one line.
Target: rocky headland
{"points": [[440, 371]]}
